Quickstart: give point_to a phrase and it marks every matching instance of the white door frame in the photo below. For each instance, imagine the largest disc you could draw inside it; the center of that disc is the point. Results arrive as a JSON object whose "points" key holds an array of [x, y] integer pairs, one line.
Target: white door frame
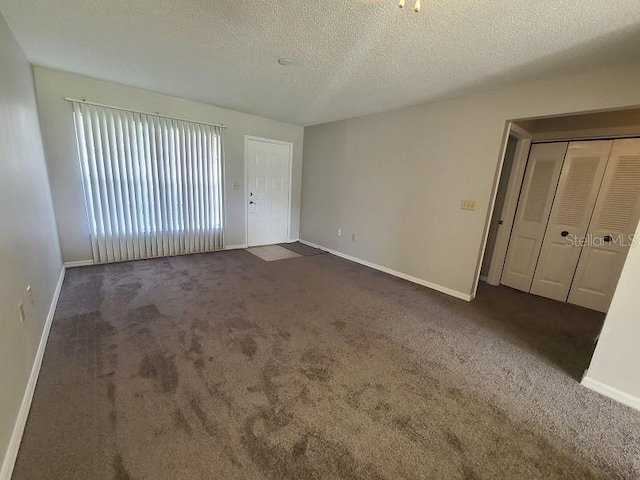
{"points": [[508, 213], [247, 139]]}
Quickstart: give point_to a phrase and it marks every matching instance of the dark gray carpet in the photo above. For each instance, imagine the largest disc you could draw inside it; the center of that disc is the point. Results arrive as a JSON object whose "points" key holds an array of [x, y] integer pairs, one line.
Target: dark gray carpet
{"points": [[302, 249], [223, 366]]}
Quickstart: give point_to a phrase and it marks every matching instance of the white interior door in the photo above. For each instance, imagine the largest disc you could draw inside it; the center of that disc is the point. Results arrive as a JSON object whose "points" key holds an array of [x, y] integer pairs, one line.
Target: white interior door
{"points": [[536, 197], [268, 170], [580, 180], [614, 220]]}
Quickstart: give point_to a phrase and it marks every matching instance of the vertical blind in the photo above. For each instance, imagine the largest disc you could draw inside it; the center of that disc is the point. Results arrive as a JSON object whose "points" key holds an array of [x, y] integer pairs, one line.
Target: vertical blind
{"points": [[152, 184]]}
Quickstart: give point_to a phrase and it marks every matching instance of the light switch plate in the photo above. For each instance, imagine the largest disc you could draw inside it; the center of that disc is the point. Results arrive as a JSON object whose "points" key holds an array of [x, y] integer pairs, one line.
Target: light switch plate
{"points": [[468, 205]]}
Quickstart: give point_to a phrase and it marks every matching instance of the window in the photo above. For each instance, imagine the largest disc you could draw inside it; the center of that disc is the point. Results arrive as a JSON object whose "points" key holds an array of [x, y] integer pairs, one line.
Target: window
{"points": [[152, 185]]}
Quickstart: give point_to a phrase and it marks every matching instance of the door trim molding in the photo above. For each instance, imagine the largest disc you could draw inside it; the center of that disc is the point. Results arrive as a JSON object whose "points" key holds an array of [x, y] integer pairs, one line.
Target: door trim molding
{"points": [[247, 139], [501, 245], [509, 207]]}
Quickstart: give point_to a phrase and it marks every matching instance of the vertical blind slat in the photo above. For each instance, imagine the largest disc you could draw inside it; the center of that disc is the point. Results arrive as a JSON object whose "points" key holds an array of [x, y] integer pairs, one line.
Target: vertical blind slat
{"points": [[124, 174], [207, 198], [133, 213], [190, 186], [156, 200], [174, 199], [114, 155], [86, 177], [196, 183], [179, 186], [166, 226], [101, 184], [184, 241], [152, 185], [135, 148], [218, 166], [148, 181], [109, 188]]}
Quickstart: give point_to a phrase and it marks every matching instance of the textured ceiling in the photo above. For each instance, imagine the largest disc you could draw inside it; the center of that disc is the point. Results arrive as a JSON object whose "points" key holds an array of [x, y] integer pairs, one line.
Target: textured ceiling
{"points": [[352, 57]]}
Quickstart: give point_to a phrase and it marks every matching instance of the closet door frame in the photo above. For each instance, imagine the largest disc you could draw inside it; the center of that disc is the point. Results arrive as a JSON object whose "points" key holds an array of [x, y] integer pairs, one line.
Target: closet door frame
{"points": [[509, 208], [508, 213]]}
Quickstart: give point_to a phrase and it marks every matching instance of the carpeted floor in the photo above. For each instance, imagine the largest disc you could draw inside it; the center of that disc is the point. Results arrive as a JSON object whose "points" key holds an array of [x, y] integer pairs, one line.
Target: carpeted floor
{"points": [[223, 366]]}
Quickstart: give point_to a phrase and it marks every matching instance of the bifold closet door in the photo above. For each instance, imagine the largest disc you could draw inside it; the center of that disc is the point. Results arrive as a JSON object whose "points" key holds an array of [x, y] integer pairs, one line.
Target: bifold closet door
{"points": [[615, 219], [580, 180], [536, 197]]}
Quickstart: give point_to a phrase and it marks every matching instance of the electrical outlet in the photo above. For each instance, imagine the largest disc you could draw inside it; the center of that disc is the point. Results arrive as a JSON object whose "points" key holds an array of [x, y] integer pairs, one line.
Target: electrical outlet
{"points": [[468, 205], [353, 237], [21, 312], [339, 233], [30, 294]]}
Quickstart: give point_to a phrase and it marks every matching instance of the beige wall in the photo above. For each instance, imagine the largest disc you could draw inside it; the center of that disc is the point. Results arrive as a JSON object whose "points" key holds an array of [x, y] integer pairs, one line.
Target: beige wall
{"points": [[396, 179], [29, 249], [64, 168], [616, 361]]}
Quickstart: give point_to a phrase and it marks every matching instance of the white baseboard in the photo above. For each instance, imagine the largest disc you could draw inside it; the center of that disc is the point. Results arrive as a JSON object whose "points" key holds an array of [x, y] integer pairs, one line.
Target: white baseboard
{"points": [[614, 393], [410, 278], [234, 247], [18, 429], [80, 263]]}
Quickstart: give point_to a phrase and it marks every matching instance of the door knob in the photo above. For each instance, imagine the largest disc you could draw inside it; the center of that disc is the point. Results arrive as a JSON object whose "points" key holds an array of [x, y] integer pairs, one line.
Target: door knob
{"points": [[607, 238], [565, 233], [251, 202]]}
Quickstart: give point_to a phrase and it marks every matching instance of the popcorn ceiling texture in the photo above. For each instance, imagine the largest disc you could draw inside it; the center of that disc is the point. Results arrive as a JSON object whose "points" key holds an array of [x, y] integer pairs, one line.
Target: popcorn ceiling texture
{"points": [[352, 57]]}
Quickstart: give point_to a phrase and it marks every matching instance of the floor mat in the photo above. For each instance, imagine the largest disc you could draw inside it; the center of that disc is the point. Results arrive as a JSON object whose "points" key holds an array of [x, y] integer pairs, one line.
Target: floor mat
{"points": [[269, 253], [302, 249]]}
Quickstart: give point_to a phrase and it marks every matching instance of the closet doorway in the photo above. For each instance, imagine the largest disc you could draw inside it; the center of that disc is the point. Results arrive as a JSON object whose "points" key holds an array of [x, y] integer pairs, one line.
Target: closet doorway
{"points": [[578, 209], [572, 205]]}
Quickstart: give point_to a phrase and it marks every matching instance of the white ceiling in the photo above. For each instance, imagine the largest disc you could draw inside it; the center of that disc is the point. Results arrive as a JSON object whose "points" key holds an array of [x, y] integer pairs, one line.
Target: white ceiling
{"points": [[352, 57]]}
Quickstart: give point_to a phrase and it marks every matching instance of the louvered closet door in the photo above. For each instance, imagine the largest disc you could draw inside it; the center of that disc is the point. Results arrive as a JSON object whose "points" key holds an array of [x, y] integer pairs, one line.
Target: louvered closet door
{"points": [[536, 197], [580, 181], [614, 220]]}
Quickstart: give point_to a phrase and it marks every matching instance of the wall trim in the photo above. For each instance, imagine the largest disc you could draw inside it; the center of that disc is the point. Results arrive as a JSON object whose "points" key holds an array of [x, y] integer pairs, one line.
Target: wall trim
{"points": [[79, 263], [18, 429], [611, 392], [410, 278], [235, 247]]}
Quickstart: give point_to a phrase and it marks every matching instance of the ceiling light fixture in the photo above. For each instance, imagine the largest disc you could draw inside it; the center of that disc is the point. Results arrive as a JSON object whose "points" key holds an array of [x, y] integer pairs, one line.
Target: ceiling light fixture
{"points": [[416, 6]]}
